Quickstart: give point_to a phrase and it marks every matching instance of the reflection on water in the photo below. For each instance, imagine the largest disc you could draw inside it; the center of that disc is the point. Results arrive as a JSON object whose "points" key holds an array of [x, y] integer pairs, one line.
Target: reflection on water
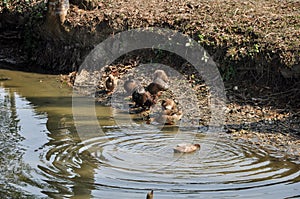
{"points": [[42, 155]]}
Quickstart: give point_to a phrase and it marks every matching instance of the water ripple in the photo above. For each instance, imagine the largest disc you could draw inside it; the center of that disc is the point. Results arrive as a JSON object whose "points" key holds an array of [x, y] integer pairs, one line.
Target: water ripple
{"points": [[142, 159], [134, 159]]}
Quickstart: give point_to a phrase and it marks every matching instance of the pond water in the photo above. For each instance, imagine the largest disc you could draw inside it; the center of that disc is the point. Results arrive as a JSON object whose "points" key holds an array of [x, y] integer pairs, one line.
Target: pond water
{"points": [[42, 154]]}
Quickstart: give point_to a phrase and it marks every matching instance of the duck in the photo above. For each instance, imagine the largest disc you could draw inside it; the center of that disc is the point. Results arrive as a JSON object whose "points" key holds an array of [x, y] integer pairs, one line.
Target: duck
{"points": [[69, 79], [168, 104], [142, 98], [159, 82], [150, 195], [169, 117], [169, 114], [130, 85], [186, 148], [110, 83], [72, 77], [161, 75], [155, 88], [169, 108]]}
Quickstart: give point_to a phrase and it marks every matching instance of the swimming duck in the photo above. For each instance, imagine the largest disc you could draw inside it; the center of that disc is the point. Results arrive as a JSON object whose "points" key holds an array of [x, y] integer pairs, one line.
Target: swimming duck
{"points": [[186, 148], [110, 83], [142, 98], [130, 85], [150, 195]]}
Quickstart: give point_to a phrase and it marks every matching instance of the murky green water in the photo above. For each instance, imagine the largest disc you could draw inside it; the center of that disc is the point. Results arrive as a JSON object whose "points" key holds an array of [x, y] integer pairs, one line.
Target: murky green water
{"points": [[42, 154]]}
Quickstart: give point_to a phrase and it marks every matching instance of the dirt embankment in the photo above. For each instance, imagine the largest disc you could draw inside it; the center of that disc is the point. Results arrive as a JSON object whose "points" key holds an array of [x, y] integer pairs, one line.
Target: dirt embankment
{"points": [[256, 37]]}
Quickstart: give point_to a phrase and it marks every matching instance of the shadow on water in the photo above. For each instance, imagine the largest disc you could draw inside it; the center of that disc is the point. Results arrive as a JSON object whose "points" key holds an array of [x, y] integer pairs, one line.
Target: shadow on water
{"points": [[42, 154]]}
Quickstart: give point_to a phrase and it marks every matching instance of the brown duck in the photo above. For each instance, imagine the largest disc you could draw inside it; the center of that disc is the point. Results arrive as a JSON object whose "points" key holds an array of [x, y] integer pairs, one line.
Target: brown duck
{"points": [[142, 98], [168, 104], [169, 117], [161, 75], [110, 83], [159, 83], [169, 109], [155, 88], [169, 114], [186, 148], [130, 85]]}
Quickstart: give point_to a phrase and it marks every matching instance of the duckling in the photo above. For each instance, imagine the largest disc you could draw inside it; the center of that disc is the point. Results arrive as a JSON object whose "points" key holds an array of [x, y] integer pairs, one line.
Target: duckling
{"points": [[159, 83], [169, 118], [155, 88], [169, 108], [150, 100], [110, 83], [72, 77], [168, 104], [142, 98], [161, 75], [130, 85], [186, 148], [150, 195], [168, 112]]}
